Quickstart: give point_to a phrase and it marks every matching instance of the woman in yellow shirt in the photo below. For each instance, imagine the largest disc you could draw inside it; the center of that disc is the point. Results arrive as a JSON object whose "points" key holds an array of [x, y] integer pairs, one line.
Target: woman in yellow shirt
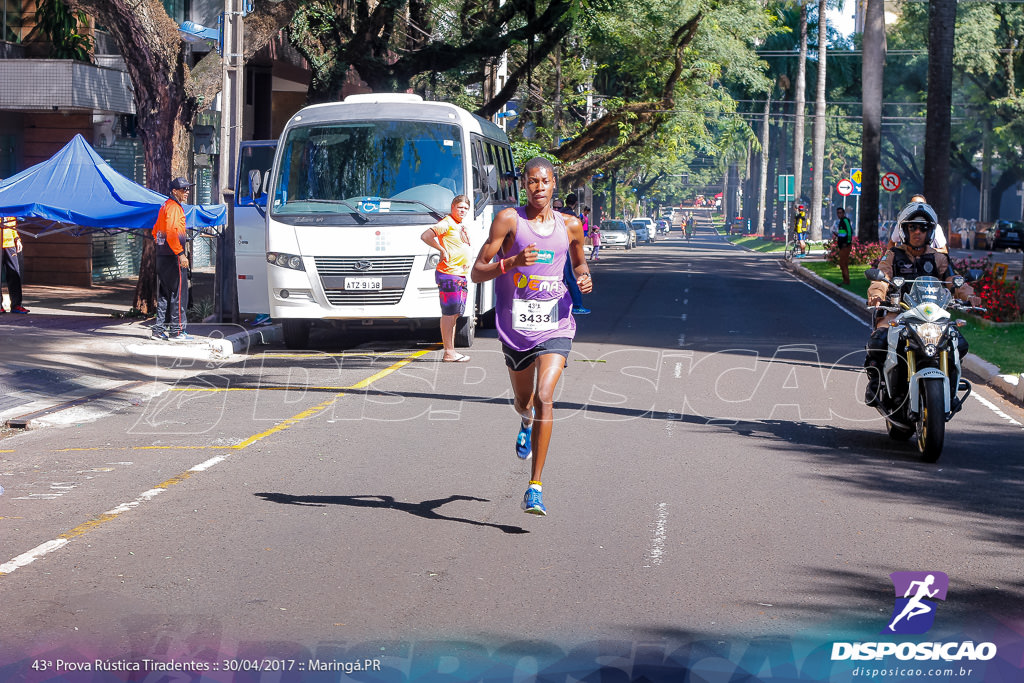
{"points": [[449, 237]]}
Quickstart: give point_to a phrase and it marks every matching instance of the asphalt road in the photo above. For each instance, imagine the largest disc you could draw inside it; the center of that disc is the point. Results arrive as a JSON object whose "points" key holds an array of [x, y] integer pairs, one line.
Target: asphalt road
{"points": [[713, 484]]}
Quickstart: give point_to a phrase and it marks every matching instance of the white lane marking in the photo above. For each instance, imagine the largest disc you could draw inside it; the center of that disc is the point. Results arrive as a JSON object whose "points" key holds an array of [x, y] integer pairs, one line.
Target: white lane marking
{"points": [[32, 555], [683, 317], [840, 306], [657, 550], [678, 372], [995, 409], [682, 339]]}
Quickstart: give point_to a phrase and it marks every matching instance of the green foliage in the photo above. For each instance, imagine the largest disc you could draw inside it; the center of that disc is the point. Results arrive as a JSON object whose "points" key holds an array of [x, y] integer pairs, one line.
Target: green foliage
{"points": [[60, 26], [201, 309]]}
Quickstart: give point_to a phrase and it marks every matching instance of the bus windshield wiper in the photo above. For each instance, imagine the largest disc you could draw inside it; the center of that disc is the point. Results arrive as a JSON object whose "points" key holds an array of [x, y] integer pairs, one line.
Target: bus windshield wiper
{"points": [[433, 212], [353, 210]]}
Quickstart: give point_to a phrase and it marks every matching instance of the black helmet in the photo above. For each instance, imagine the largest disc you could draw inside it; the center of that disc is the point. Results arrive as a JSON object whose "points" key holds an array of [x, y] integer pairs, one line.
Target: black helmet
{"points": [[917, 213]]}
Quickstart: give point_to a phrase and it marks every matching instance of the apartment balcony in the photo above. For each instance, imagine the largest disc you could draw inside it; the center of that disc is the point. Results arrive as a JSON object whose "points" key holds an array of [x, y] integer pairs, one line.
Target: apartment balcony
{"points": [[64, 85]]}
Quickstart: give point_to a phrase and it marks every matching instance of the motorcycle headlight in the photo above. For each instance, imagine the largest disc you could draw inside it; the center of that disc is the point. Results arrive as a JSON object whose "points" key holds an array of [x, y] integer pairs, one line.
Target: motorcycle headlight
{"points": [[930, 334]]}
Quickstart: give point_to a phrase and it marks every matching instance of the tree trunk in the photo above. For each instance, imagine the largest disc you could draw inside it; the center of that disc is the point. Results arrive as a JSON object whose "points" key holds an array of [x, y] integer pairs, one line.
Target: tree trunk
{"points": [[167, 94], [762, 189], [941, 29], [800, 106], [872, 76], [817, 180]]}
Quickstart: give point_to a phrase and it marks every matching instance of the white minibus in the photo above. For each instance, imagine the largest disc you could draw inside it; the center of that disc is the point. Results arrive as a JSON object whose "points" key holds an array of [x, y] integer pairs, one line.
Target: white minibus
{"points": [[353, 186]]}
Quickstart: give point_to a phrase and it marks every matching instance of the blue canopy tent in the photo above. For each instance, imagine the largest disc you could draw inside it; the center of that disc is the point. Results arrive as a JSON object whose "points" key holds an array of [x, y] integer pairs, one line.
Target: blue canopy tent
{"points": [[77, 191]]}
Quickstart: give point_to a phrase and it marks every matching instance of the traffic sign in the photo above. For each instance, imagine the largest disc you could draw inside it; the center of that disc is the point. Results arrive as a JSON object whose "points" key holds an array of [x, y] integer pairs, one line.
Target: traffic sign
{"points": [[890, 182], [844, 187], [787, 188], [855, 177]]}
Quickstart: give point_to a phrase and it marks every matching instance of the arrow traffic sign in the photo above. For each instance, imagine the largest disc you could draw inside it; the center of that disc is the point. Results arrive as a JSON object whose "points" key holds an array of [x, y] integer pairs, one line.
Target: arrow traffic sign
{"points": [[844, 187]]}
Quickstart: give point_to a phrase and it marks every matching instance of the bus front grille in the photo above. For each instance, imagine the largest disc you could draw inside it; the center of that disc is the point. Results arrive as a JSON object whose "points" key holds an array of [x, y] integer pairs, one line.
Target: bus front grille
{"points": [[393, 271], [369, 266], [341, 297]]}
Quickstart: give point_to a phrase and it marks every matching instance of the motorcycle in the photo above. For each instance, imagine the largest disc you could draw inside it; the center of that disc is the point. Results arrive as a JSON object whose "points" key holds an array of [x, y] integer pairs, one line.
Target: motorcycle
{"points": [[922, 385]]}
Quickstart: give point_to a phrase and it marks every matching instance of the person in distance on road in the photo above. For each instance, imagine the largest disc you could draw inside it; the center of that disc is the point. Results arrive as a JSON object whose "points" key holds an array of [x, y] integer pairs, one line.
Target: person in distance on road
{"points": [[570, 279], [800, 228], [533, 311], [843, 233]]}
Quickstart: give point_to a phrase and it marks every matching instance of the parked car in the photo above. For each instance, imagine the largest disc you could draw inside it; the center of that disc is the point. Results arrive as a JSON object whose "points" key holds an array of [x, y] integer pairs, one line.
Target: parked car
{"points": [[1007, 235], [615, 233], [645, 230]]}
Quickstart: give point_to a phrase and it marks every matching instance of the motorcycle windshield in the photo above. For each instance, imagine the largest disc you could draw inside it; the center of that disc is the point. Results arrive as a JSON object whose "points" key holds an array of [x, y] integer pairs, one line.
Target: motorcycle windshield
{"points": [[928, 290]]}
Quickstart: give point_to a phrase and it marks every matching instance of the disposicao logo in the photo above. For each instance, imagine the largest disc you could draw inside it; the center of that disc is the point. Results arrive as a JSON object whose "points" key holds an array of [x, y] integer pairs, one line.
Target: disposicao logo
{"points": [[914, 611]]}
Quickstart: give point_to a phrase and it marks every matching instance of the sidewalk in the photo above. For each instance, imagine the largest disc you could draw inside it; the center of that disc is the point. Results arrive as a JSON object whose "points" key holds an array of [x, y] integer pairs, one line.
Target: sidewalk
{"points": [[70, 350]]}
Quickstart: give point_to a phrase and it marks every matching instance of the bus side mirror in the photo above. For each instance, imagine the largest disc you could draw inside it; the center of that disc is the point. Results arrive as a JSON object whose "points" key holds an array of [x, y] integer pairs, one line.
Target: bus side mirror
{"points": [[256, 184]]}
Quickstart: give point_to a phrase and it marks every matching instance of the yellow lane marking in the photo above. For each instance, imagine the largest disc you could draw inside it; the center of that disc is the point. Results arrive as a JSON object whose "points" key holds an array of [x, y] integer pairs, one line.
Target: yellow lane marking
{"points": [[358, 385], [281, 426], [85, 527]]}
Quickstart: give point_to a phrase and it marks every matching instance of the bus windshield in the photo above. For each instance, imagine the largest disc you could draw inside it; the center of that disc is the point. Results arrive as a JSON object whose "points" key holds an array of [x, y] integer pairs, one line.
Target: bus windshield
{"points": [[369, 167]]}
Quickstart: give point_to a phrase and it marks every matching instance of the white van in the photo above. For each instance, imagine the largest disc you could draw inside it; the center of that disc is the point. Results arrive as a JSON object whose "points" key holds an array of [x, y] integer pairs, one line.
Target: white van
{"points": [[353, 186]]}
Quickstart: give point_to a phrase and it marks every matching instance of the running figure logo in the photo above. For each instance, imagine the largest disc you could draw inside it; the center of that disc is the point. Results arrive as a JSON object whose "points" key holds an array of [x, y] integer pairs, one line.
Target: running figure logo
{"points": [[915, 610]]}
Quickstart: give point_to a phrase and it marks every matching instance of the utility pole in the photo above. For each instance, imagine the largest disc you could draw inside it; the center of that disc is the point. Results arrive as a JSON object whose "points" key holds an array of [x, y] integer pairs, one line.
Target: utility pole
{"points": [[231, 106]]}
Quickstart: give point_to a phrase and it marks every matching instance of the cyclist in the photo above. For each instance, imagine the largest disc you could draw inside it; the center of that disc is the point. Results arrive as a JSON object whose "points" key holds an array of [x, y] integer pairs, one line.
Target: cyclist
{"points": [[800, 228]]}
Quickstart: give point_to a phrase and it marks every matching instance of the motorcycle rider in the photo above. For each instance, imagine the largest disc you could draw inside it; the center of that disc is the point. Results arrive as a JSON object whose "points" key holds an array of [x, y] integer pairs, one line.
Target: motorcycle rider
{"points": [[913, 257]]}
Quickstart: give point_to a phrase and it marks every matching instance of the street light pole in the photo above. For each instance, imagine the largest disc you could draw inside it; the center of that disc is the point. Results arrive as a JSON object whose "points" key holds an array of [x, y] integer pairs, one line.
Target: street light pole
{"points": [[231, 104]]}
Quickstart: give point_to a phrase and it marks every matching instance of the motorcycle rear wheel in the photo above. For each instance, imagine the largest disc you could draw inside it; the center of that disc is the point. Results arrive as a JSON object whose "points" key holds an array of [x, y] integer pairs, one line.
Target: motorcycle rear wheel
{"points": [[931, 425], [897, 433]]}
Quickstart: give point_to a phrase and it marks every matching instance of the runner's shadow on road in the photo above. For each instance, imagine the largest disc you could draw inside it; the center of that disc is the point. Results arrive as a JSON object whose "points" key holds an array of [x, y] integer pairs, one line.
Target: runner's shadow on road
{"points": [[426, 509]]}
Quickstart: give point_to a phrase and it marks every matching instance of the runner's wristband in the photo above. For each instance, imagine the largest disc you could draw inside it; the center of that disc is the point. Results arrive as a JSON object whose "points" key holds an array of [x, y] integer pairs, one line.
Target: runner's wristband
{"points": [[501, 264]]}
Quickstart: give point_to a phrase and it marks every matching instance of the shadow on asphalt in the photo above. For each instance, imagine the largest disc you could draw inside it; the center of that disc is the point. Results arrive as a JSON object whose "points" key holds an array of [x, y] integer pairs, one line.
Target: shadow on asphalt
{"points": [[426, 509]]}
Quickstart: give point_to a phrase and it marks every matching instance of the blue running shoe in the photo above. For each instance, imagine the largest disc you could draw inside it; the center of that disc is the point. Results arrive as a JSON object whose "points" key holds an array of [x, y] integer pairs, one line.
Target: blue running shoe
{"points": [[532, 503], [524, 443], [580, 310], [182, 337], [159, 335]]}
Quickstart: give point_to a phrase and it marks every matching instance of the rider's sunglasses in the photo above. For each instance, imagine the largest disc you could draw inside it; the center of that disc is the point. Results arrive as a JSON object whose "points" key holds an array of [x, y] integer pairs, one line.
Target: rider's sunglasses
{"points": [[917, 227]]}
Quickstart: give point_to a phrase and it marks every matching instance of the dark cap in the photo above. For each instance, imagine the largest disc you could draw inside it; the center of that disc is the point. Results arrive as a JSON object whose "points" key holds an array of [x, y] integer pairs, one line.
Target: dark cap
{"points": [[180, 183]]}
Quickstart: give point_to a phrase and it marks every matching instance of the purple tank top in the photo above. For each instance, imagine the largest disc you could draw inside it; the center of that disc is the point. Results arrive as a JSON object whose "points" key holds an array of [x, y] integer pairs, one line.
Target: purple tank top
{"points": [[532, 303]]}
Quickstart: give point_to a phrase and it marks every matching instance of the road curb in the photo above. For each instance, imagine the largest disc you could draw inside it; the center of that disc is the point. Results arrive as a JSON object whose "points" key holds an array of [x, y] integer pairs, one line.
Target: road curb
{"points": [[1008, 385], [204, 348]]}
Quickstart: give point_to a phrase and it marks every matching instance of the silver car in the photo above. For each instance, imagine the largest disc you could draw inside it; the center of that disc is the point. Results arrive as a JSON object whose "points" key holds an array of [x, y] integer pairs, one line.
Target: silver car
{"points": [[646, 231], [615, 233]]}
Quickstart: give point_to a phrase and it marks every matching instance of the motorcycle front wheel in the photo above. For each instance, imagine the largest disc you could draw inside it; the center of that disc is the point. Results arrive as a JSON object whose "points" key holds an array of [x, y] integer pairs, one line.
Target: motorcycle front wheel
{"points": [[931, 425]]}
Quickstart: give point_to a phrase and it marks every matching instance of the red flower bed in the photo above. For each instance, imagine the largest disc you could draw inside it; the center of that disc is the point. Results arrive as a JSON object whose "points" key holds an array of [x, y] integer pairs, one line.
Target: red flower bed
{"points": [[861, 253], [1000, 298]]}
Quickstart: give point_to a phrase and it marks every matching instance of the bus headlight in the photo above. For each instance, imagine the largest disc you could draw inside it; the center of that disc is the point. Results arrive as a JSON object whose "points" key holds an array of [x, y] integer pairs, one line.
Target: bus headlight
{"points": [[285, 260], [432, 261]]}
